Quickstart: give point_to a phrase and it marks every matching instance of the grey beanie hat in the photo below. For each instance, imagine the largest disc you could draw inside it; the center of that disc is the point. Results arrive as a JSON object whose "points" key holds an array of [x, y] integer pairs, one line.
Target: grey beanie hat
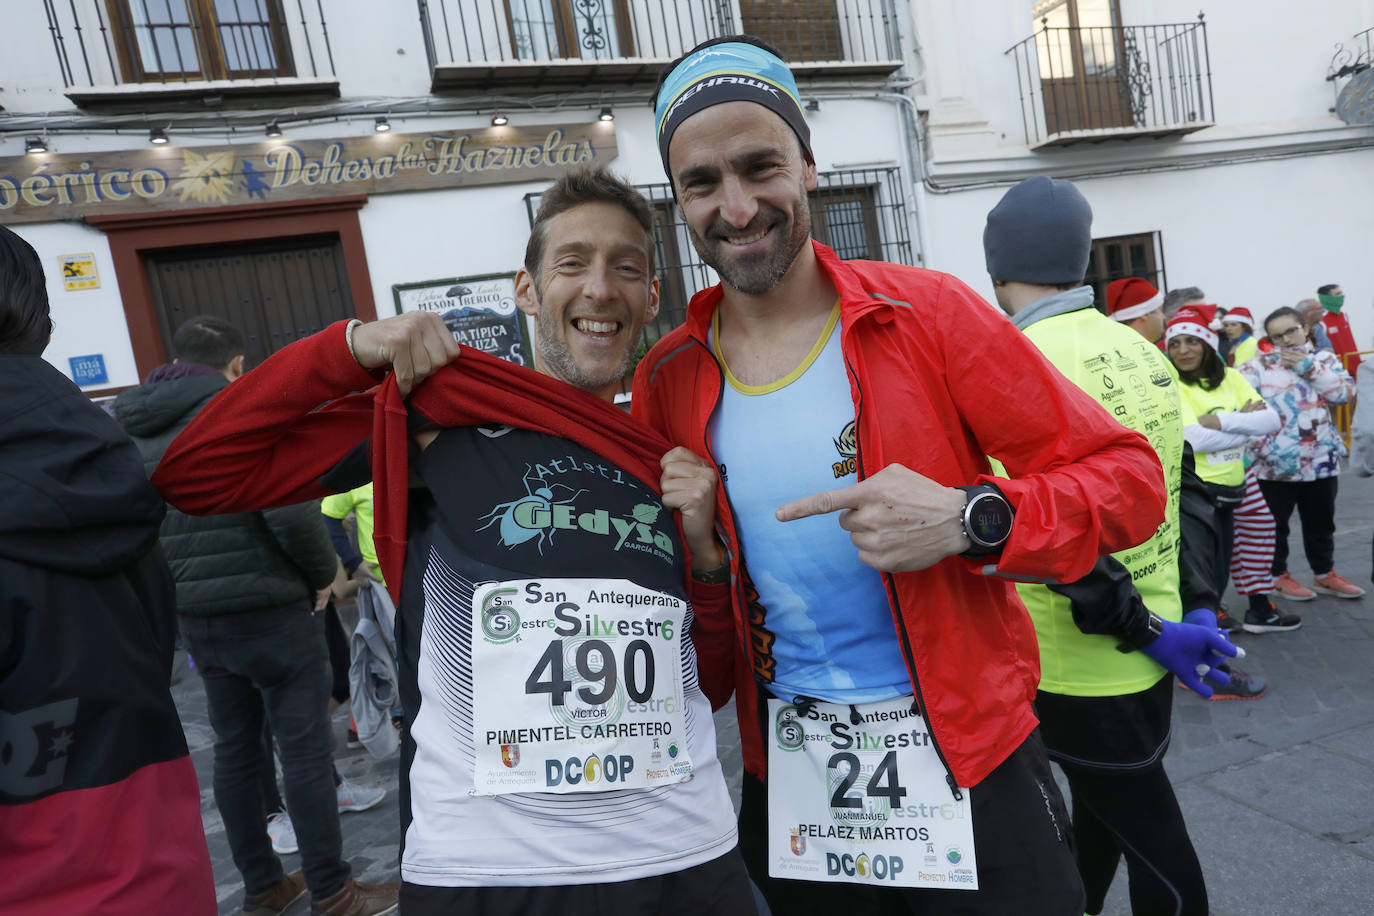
{"points": [[1040, 232]]}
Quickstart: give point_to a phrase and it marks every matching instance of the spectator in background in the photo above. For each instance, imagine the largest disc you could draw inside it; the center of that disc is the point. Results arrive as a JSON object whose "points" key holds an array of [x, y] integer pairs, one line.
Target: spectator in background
{"points": [[1240, 344], [1229, 414], [249, 587], [99, 805], [1312, 314], [1298, 465], [1176, 299], [1332, 299], [1138, 305]]}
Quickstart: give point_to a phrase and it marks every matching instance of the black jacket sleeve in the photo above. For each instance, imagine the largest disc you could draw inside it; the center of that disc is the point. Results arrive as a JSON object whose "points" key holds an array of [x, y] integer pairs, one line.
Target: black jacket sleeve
{"points": [[299, 531], [1106, 601], [1199, 541]]}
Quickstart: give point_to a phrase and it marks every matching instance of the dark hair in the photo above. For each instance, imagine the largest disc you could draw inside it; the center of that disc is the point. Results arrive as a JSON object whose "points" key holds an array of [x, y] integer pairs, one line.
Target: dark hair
{"points": [[1326, 290], [209, 341], [25, 319], [586, 186], [710, 42], [1280, 312], [1209, 373]]}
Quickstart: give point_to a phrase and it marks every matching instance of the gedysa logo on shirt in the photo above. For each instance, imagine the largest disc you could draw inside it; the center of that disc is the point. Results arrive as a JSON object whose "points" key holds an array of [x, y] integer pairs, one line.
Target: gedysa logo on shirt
{"points": [[547, 509]]}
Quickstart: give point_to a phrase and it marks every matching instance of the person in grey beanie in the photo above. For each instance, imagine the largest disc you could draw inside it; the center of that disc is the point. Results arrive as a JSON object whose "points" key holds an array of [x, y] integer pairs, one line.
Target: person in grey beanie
{"points": [[1110, 641]]}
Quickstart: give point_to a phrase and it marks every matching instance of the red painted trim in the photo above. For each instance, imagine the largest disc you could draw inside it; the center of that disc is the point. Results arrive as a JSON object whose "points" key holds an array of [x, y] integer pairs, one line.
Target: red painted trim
{"points": [[131, 236]]}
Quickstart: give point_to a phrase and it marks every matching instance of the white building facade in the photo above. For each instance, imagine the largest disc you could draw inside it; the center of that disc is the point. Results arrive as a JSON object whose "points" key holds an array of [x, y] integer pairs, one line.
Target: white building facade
{"points": [[1208, 148]]}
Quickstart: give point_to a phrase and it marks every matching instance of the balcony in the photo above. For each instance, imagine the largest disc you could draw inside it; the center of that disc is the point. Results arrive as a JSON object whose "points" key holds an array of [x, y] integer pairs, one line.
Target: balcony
{"points": [[1113, 83], [166, 54], [474, 45]]}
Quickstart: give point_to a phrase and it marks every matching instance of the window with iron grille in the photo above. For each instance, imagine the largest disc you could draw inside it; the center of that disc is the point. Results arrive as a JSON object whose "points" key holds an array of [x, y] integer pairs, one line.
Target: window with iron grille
{"points": [[1124, 256], [857, 212], [158, 40]]}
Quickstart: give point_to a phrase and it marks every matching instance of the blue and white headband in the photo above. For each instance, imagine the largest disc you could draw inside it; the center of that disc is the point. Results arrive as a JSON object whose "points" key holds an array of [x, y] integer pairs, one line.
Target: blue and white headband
{"points": [[732, 71]]}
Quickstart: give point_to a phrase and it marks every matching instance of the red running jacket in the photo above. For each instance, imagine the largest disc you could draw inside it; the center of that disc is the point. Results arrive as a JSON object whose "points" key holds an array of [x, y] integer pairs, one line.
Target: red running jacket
{"points": [[940, 380]]}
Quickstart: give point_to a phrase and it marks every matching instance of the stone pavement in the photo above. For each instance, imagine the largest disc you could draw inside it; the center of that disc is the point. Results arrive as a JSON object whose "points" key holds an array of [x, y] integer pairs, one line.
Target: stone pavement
{"points": [[1278, 792]]}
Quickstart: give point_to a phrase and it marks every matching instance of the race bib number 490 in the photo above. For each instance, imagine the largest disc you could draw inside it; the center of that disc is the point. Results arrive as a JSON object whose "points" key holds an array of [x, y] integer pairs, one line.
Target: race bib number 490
{"points": [[577, 687], [864, 802]]}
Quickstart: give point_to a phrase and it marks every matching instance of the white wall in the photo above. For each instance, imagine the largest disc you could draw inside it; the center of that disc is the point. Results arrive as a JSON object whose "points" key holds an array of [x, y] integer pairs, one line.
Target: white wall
{"points": [[1260, 234]]}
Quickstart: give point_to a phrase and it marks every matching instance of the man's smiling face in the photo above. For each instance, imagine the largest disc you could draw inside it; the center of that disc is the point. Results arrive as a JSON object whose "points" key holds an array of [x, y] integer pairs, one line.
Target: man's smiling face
{"points": [[741, 181], [591, 296]]}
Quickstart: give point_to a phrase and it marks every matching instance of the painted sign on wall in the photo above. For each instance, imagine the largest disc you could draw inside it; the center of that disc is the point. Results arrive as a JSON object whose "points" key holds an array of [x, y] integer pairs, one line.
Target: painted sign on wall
{"points": [[78, 271], [480, 311], [50, 186]]}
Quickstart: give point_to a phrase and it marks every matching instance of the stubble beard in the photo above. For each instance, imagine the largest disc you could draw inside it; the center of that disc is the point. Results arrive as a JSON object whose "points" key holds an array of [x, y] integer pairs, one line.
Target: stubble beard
{"points": [[755, 276], [557, 358]]}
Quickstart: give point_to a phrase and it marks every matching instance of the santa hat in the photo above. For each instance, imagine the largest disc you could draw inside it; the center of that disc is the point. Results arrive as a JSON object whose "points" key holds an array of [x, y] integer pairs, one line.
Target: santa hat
{"points": [[1198, 321], [1132, 298], [1241, 316]]}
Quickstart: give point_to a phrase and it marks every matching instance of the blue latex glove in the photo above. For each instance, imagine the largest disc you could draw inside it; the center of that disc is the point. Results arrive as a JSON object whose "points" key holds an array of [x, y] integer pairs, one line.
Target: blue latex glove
{"points": [[1192, 646]]}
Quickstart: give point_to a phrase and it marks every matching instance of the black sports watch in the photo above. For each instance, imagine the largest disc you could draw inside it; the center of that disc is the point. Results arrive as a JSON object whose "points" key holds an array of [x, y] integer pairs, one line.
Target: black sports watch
{"points": [[987, 520], [1152, 629]]}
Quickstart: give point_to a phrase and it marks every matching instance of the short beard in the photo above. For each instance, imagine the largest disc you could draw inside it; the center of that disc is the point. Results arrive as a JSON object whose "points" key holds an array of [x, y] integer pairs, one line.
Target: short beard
{"points": [[754, 278]]}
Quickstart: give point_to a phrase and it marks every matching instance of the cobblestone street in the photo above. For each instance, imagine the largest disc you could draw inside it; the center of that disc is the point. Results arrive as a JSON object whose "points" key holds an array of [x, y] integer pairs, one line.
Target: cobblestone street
{"points": [[1277, 791]]}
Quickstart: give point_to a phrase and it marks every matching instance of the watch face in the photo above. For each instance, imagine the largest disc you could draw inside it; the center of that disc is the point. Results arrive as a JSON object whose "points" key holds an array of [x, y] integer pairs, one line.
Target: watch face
{"points": [[989, 520]]}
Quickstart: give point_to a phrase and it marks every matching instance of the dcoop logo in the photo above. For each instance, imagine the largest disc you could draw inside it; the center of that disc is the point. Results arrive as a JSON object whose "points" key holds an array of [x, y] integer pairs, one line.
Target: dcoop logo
{"points": [[884, 868], [500, 622], [591, 771]]}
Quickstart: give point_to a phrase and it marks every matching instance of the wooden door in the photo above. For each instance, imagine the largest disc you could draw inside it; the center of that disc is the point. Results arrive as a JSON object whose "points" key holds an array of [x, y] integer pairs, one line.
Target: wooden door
{"points": [[275, 291]]}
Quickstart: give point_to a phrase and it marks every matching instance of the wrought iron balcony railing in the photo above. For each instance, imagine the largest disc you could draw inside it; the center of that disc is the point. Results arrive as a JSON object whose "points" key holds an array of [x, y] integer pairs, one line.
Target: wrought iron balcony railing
{"points": [[475, 43], [112, 49], [1078, 84]]}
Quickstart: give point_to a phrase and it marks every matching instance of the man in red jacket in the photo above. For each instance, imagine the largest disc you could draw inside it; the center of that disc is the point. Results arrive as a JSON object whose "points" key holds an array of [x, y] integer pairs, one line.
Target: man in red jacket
{"points": [[886, 666]]}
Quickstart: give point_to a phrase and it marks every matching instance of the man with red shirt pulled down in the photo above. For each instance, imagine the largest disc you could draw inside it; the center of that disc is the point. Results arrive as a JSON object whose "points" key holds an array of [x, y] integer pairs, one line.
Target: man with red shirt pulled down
{"points": [[559, 755], [1332, 299], [887, 669]]}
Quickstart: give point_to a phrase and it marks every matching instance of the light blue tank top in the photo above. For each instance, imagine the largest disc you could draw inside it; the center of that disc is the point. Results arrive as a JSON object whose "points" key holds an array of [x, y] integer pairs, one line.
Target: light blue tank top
{"points": [[834, 635]]}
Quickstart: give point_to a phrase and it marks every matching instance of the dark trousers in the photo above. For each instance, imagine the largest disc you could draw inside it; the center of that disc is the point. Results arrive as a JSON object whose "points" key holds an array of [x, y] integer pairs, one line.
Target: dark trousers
{"points": [[719, 888], [271, 663], [1021, 836], [1135, 814], [1316, 504]]}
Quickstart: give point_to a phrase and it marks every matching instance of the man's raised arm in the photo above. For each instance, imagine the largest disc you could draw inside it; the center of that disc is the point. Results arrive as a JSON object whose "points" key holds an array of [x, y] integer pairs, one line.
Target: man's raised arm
{"points": [[265, 440]]}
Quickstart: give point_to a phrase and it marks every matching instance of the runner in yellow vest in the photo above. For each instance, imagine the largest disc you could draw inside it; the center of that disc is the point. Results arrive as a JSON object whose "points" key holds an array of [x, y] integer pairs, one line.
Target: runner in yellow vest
{"points": [[1104, 707]]}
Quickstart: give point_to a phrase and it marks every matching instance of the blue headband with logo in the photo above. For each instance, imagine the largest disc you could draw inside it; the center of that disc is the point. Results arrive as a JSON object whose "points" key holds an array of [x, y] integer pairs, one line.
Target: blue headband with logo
{"points": [[732, 71]]}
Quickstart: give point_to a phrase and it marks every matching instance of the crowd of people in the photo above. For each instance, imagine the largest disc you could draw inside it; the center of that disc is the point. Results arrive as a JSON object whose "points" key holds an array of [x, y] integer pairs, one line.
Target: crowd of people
{"points": [[917, 595]]}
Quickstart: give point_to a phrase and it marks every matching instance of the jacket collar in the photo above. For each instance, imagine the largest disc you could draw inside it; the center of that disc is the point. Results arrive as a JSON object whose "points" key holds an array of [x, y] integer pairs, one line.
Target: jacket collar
{"points": [[855, 299], [1070, 300]]}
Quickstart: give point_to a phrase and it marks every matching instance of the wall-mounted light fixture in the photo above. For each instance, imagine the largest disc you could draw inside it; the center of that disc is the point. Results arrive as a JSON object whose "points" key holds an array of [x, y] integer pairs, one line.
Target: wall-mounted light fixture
{"points": [[382, 125], [499, 120], [606, 114], [273, 130], [35, 145], [157, 136]]}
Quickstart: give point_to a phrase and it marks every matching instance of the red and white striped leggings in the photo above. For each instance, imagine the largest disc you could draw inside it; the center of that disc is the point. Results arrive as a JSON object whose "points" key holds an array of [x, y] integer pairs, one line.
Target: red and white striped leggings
{"points": [[1252, 556]]}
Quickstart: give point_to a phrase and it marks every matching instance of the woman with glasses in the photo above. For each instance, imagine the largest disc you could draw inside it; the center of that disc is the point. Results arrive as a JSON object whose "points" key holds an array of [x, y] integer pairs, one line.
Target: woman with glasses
{"points": [[1230, 414], [1298, 464]]}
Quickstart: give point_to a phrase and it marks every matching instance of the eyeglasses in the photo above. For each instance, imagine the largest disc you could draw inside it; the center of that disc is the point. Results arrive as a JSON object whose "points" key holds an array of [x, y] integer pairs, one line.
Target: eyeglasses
{"points": [[1288, 334]]}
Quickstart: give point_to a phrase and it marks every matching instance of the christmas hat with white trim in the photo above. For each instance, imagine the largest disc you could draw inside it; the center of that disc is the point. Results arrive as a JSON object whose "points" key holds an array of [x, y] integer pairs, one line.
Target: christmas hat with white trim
{"points": [[1198, 321], [1132, 298], [1240, 315]]}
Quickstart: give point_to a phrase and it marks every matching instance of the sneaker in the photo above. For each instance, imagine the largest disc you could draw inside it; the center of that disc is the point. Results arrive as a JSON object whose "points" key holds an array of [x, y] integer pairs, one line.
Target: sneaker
{"points": [[351, 740], [1226, 622], [1333, 583], [358, 798], [359, 900], [283, 834], [1271, 620], [1292, 589], [1243, 686], [271, 903]]}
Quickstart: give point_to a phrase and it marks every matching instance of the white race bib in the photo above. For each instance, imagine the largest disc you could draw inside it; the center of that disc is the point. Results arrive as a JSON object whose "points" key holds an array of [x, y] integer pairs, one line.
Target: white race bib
{"points": [[577, 687], [864, 803], [1226, 455]]}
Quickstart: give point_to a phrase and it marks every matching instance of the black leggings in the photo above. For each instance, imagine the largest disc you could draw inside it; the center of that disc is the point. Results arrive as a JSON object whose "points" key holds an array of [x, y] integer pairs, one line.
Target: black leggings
{"points": [[1316, 503], [1136, 815]]}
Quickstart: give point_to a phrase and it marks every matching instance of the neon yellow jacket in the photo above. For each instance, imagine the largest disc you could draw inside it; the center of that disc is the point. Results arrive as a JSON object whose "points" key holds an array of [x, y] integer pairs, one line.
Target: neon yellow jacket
{"points": [[1227, 466], [1134, 381]]}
